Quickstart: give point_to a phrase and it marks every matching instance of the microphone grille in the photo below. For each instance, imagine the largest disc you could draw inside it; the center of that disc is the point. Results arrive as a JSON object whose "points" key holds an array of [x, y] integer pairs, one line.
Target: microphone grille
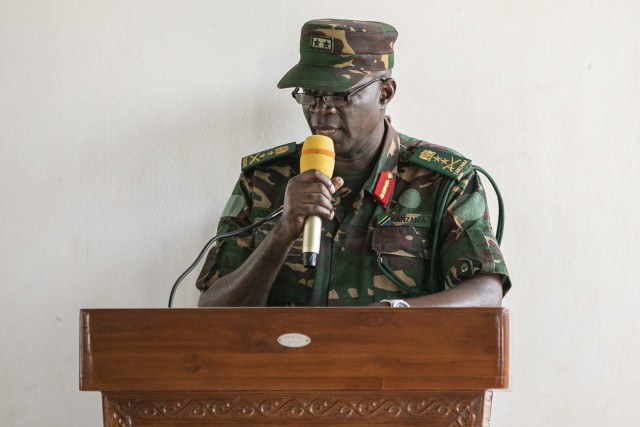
{"points": [[318, 153]]}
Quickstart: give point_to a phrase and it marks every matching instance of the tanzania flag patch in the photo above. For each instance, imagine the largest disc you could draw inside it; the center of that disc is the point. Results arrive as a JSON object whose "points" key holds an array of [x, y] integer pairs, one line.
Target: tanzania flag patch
{"points": [[407, 219]]}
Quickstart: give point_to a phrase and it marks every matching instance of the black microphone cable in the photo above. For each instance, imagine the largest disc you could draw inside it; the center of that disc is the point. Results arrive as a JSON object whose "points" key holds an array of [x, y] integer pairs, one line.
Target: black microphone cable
{"points": [[272, 215]]}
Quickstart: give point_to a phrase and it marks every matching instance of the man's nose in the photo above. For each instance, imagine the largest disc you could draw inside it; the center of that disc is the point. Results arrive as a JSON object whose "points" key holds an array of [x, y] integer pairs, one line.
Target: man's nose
{"points": [[321, 108]]}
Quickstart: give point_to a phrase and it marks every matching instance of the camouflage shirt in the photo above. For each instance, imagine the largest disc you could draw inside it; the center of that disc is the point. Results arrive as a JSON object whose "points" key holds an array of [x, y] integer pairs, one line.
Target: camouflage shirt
{"points": [[378, 247]]}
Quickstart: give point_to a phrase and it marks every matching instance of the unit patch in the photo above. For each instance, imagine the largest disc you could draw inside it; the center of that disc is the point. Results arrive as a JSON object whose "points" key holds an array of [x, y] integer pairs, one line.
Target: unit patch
{"points": [[253, 160], [470, 206], [410, 198], [441, 161]]}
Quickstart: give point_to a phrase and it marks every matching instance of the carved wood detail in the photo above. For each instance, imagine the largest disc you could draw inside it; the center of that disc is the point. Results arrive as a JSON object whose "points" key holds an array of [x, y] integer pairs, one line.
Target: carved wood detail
{"points": [[433, 409]]}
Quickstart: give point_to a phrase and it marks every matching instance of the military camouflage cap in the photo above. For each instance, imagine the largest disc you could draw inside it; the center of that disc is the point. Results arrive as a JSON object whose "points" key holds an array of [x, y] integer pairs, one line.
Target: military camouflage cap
{"points": [[336, 54]]}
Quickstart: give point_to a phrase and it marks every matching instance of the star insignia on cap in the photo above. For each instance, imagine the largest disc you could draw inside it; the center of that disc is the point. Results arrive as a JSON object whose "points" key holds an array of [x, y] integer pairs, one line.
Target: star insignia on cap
{"points": [[322, 43]]}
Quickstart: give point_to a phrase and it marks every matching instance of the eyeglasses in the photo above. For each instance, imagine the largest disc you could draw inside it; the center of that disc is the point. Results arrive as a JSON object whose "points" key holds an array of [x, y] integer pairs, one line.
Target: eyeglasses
{"points": [[336, 100]]}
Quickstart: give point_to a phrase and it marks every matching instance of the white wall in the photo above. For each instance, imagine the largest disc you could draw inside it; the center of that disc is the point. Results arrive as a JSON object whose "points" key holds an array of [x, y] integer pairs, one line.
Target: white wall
{"points": [[122, 124]]}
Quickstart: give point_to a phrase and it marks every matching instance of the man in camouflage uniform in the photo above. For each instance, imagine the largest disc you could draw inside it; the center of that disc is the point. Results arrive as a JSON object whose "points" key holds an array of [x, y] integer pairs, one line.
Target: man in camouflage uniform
{"points": [[380, 211]]}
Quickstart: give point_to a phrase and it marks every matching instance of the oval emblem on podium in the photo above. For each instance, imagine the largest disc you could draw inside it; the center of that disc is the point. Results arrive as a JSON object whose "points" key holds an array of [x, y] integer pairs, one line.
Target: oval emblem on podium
{"points": [[294, 340]]}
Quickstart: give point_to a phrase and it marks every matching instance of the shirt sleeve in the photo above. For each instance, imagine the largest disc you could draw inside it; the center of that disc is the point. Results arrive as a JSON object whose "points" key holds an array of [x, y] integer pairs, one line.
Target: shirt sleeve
{"points": [[231, 252], [469, 246]]}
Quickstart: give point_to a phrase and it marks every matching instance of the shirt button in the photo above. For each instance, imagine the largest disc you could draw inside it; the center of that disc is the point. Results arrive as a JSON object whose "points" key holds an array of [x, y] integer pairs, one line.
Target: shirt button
{"points": [[466, 266]]}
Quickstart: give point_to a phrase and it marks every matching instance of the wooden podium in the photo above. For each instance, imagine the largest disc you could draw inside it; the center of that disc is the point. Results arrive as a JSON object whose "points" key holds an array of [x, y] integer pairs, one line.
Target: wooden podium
{"points": [[294, 366]]}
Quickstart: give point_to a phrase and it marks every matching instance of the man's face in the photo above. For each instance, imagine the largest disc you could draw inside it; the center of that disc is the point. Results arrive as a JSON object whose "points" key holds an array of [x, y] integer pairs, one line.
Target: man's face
{"points": [[355, 128]]}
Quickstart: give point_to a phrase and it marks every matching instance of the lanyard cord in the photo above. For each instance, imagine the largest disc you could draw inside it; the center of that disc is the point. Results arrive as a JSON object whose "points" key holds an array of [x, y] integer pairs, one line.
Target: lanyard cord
{"points": [[413, 291], [500, 226], [432, 281]]}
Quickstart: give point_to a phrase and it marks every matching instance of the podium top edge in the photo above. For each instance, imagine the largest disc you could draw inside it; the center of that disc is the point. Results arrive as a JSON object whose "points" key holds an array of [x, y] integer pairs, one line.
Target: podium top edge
{"points": [[365, 309]]}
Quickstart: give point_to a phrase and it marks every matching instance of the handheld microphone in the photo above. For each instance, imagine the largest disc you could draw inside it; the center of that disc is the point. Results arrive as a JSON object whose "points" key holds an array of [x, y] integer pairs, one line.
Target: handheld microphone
{"points": [[317, 153]]}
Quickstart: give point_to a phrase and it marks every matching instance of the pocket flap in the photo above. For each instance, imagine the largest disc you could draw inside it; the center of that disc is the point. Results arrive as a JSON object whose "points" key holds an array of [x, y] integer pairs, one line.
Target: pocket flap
{"points": [[401, 241]]}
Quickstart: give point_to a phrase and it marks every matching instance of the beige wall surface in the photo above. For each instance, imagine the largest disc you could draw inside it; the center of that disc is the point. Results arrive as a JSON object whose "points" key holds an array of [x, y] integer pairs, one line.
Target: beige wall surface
{"points": [[122, 124]]}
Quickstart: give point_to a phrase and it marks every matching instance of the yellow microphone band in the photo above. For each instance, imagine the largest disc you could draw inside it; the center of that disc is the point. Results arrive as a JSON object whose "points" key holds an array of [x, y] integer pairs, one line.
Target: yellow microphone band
{"points": [[307, 151]]}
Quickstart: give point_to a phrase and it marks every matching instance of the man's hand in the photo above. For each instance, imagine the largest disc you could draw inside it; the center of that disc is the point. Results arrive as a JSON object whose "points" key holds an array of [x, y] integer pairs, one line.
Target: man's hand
{"points": [[307, 194]]}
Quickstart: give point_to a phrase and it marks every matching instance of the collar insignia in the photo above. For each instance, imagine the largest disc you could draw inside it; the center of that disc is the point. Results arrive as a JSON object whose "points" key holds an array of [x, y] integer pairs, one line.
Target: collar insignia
{"points": [[384, 187]]}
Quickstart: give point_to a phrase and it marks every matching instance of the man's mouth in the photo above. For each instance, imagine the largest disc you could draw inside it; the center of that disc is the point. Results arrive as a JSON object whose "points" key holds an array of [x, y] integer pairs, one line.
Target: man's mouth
{"points": [[326, 131]]}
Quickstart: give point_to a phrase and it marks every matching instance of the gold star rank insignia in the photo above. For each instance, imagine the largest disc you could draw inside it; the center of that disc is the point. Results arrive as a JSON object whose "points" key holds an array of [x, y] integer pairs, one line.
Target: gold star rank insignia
{"points": [[445, 162], [253, 160]]}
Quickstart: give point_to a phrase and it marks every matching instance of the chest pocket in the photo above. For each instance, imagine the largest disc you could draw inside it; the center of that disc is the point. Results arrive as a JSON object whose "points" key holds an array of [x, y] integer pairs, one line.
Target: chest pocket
{"points": [[402, 253], [401, 241]]}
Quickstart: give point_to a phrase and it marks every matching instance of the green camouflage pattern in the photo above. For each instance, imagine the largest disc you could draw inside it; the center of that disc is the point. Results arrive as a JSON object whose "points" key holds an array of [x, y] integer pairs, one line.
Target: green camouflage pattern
{"points": [[347, 272], [335, 55]]}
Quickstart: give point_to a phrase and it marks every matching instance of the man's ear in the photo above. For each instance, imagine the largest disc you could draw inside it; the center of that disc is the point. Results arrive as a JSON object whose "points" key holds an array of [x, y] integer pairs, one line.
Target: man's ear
{"points": [[387, 91]]}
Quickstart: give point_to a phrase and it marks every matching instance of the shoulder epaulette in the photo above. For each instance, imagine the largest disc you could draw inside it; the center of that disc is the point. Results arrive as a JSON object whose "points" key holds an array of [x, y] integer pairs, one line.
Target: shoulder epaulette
{"points": [[265, 156], [444, 162]]}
